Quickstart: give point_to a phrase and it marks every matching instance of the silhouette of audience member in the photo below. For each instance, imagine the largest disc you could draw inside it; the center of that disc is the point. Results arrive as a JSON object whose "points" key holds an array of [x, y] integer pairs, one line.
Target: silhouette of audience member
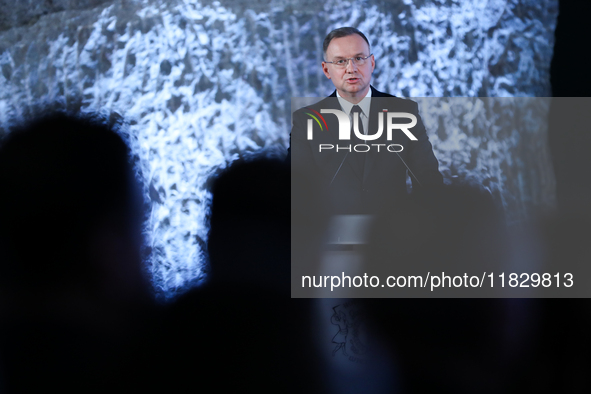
{"points": [[249, 237], [561, 243], [448, 345], [72, 289], [242, 326]]}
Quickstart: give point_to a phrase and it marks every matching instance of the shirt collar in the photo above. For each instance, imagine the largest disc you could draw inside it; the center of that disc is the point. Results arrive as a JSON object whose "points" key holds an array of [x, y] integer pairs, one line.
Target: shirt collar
{"points": [[364, 104]]}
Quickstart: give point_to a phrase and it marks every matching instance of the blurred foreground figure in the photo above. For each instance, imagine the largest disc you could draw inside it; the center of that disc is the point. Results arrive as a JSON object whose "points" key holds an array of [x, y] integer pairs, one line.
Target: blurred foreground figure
{"points": [[249, 238], [242, 327], [71, 288], [446, 344]]}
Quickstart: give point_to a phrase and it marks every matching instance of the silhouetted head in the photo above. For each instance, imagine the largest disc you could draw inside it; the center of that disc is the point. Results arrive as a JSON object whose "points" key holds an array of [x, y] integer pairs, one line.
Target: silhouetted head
{"points": [[249, 239], [342, 32], [449, 230], [69, 208]]}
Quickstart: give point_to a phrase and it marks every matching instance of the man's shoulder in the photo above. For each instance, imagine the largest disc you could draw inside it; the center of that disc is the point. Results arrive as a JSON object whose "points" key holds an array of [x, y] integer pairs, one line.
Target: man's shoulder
{"points": [[399, 103], [332, 102], [377, 93], [327, 102]]}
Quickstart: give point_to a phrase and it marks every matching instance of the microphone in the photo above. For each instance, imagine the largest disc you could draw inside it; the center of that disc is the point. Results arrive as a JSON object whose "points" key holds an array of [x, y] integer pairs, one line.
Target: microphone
{"points": [[408, 168], [401, 159], [338, 169]]}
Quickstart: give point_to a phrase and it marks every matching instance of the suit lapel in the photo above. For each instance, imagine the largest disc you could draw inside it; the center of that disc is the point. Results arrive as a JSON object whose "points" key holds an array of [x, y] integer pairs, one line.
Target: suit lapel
{"points": [[374, 109], [353, 164]]}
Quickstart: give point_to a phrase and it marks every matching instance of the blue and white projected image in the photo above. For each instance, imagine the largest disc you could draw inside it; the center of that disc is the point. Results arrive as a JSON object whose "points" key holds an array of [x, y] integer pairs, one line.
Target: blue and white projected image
{"points": [[200, 84]]}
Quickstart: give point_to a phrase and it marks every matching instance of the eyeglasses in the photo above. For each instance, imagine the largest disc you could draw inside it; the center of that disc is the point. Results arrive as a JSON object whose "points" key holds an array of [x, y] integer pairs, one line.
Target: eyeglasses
{"points": [[357, 60]]}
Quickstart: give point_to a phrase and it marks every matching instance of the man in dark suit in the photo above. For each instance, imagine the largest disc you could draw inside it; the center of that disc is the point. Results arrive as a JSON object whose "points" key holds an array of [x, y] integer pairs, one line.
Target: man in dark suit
{"points": [[367, 171]]}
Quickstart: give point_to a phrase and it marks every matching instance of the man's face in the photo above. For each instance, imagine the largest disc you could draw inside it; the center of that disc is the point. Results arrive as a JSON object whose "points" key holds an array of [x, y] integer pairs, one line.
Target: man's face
{"points": [[351, 81]]}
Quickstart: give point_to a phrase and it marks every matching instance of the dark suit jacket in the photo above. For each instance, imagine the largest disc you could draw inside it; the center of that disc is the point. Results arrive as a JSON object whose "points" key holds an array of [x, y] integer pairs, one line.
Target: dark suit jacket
{"points": [[356, 187]]}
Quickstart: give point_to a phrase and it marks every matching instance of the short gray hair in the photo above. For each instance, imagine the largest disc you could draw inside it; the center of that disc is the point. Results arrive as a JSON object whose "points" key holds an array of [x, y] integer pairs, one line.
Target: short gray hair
{"points": [[341, 32]]}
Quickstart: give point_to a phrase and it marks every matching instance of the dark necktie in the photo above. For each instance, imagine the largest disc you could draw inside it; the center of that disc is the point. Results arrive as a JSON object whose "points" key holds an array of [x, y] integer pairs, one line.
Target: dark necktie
{"points": [[360, 155], [357, 109]]}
